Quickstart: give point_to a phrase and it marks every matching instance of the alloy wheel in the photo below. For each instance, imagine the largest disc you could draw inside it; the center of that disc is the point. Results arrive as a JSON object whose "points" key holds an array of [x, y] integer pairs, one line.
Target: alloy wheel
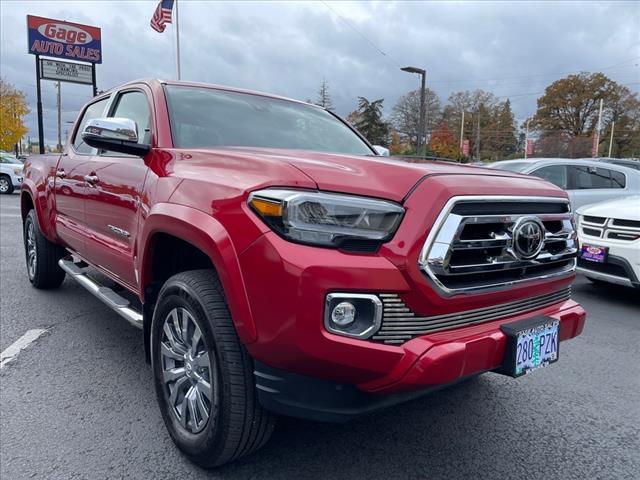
{"points": [[4, 185], [32, 257], [186, 370]]}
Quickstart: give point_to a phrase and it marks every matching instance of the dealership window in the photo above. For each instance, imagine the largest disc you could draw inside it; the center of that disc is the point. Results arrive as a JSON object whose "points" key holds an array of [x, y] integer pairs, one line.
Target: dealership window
{"points": [[95, 110]]}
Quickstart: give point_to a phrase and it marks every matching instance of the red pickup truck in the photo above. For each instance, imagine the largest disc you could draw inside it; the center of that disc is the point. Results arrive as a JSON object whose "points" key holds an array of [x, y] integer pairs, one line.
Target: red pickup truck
{"points": [[277, 265]]}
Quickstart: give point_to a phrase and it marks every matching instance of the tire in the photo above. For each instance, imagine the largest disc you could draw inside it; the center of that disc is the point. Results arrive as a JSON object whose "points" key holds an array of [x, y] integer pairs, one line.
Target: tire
{"points": [[6, 186], [236, 425], [41, 256]]}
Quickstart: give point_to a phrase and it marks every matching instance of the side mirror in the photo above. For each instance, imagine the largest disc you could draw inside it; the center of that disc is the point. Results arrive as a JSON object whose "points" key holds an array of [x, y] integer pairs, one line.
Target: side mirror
{"points": [[381, 150], [114, 134]]}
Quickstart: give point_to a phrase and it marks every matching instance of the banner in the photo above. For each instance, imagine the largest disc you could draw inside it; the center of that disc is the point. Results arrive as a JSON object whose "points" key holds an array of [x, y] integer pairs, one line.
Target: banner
{"points": [[55, 38]]}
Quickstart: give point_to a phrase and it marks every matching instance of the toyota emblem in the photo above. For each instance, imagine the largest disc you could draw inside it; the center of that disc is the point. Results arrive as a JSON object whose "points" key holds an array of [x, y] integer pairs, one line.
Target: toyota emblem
{"points": [[528, 238]]}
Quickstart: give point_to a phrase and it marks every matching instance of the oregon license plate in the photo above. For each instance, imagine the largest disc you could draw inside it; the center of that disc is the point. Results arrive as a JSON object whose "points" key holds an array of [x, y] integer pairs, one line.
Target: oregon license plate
{"points": [[531, 344], [593, 253]]}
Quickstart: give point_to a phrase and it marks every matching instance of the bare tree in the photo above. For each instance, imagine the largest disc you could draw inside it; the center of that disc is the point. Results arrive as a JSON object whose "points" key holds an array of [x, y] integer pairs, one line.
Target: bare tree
{"points": [[405, 116]]}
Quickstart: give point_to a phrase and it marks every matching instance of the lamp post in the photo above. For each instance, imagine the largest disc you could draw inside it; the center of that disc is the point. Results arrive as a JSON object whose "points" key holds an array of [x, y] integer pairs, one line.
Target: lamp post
{"points": [[421, 126]]}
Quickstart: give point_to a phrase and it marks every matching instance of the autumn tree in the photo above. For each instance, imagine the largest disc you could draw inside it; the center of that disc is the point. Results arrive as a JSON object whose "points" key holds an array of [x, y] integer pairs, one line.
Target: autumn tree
{"points": [[443, 143], [405, 116], [567, 113], [13, 107], [370, 123], [324, 99]]}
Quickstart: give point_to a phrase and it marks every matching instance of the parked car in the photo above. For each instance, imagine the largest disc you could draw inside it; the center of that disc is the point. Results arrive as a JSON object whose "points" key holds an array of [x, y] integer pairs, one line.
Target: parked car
{"points": [[633, 163], [10, 173], [280, 266], [586, 181], [609, 234]]}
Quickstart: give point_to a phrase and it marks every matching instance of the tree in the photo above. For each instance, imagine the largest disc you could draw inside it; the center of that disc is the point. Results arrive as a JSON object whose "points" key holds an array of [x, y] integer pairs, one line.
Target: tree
{"points": [[324, 99], [568, 112], [405, 116], [13, 107], [443, 144], [370, 123]]}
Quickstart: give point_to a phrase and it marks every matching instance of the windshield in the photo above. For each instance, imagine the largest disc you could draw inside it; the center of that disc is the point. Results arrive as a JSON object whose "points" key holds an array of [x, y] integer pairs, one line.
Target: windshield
{"points": [[510, 166], [205, 117]]}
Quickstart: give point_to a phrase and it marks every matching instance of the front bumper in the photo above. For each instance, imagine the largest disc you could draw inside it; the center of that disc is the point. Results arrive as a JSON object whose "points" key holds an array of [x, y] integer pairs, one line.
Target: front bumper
{"points": [[289, 311], [622, 266]]}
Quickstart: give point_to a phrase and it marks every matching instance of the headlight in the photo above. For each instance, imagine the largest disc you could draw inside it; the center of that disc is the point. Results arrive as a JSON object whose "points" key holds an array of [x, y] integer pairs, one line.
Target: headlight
{"points": [[17, 171], [326, 219]]}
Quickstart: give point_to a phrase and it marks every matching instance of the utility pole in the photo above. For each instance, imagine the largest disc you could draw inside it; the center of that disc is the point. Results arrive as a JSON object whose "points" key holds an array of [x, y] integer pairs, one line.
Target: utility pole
{"points": [[597, 139], [58, 106], [526, 140], [462, 131], [613, 125], [478, 138]]}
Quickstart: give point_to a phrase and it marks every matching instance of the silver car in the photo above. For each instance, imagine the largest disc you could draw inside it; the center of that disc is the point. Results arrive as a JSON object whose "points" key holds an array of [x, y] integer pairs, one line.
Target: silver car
{"points": [[585, 181]]}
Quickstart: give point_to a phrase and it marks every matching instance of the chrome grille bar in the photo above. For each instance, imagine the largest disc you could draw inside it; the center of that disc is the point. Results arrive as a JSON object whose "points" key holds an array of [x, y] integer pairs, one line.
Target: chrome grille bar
{"points": [[398, 328]]}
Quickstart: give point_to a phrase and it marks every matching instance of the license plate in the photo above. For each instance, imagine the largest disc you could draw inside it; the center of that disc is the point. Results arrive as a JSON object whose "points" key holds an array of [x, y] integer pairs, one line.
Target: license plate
{"points": [[593, 253], [532, 343]]}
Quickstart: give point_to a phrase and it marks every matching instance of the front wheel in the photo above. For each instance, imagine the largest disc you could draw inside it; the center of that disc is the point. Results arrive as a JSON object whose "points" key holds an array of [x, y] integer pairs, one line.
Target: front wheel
{"points": [[5, 184], [202, 373]]}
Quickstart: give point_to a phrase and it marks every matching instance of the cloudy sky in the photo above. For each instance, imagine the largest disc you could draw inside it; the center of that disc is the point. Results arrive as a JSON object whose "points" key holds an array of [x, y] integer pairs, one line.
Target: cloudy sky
{"points": [[514, 49]]}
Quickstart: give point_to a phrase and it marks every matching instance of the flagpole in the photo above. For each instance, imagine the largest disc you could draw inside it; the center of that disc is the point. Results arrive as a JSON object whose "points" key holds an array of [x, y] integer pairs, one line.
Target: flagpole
{"points": [[177, 42]]}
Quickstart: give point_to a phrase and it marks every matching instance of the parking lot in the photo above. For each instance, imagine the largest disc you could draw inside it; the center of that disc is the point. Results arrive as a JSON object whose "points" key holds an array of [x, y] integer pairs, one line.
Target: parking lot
{"points": [[79, 403]]}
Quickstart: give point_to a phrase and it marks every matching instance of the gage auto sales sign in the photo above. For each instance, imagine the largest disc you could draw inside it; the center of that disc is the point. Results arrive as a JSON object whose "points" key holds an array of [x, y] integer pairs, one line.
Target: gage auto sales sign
{"points": [[55, 38]]}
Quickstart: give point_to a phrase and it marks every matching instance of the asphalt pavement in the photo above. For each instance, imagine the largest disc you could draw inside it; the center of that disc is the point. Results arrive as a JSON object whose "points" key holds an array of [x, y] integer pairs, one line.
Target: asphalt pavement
{"points": [[79, 403]]}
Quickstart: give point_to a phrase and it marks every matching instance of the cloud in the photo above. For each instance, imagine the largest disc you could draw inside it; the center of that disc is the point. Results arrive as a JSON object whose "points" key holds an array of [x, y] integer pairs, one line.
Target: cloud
{"points": [[514, 49]]}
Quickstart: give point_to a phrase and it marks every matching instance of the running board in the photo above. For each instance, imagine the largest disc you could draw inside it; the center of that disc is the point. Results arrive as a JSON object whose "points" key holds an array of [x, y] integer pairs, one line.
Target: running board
{"points": [[119, 304]]}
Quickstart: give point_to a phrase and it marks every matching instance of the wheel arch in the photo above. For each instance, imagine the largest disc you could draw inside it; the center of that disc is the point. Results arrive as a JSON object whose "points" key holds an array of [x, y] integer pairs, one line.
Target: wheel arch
{"points": [[193, 228]]}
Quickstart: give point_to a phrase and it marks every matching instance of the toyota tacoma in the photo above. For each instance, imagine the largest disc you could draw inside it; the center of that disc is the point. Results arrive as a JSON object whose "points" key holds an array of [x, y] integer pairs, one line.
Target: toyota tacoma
{"points": [[277, 265]]}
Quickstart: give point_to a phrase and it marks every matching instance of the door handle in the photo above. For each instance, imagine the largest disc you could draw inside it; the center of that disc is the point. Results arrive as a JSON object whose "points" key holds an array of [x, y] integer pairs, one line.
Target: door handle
{"points": [[91, 179], [60, 174]]}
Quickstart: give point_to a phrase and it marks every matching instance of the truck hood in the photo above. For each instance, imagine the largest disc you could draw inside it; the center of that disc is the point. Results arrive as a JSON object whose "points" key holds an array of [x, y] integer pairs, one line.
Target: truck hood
{"points": [[383, 177]]}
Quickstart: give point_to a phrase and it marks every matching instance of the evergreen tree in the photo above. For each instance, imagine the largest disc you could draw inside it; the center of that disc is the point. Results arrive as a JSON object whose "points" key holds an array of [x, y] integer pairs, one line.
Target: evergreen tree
{"points": [[370, 123], [324, 99]]}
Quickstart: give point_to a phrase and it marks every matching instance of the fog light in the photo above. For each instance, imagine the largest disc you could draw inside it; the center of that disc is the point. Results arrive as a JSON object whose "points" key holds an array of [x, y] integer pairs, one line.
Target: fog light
{"points": [[356, 315], [343, 314]]}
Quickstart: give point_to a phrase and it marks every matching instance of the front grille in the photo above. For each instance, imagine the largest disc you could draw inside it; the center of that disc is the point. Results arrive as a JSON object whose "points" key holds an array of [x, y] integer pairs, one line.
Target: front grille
{"points": [[613, 228], [596, 220], [400, 324], [474, 245]]}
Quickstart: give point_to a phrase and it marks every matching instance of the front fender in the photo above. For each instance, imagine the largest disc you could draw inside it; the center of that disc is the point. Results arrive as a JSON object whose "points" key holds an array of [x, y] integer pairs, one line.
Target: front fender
{"points": [[206, 233]]}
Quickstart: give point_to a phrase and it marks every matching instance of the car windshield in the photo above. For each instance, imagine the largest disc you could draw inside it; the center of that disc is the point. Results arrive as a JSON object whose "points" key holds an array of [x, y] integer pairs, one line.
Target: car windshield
{"points": [[8, 158], [510, 166], [205, 117]]}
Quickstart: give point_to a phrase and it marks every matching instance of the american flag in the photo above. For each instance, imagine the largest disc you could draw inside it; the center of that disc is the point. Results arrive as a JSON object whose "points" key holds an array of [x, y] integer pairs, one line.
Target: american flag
{"points": [[162, 15]]}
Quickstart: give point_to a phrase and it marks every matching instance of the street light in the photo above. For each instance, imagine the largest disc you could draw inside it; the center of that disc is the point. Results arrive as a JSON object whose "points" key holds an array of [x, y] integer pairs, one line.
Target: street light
{"points": [[421, 126]]}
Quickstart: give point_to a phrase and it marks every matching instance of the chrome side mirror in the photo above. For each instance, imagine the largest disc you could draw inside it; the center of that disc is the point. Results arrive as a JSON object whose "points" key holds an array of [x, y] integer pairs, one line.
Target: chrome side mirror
{"points": [[381, 150], [114, 134]]}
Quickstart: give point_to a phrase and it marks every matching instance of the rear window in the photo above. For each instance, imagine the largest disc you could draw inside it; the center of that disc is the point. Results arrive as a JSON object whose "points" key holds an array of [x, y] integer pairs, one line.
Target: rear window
{"points": [[591, 178]]}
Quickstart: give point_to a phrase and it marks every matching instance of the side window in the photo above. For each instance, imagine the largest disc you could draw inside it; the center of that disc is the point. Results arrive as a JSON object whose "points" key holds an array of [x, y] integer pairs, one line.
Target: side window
{"points": [[95, 110], [134, 106], [587, 178], [556, 174], [618, 180]]}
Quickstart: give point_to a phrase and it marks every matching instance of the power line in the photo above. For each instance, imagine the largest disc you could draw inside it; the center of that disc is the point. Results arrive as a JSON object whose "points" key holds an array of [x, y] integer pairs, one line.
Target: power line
{"points": [[370, 42]]}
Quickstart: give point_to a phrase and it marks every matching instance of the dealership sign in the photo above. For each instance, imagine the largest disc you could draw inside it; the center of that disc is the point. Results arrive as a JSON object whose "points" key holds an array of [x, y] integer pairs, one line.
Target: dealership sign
{"points": [[66, 71], [56, 38]]}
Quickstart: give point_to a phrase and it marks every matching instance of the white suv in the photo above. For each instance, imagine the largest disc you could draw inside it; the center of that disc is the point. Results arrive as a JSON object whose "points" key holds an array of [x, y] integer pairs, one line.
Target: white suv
{"points": [[10, 173], [609, 234]]}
